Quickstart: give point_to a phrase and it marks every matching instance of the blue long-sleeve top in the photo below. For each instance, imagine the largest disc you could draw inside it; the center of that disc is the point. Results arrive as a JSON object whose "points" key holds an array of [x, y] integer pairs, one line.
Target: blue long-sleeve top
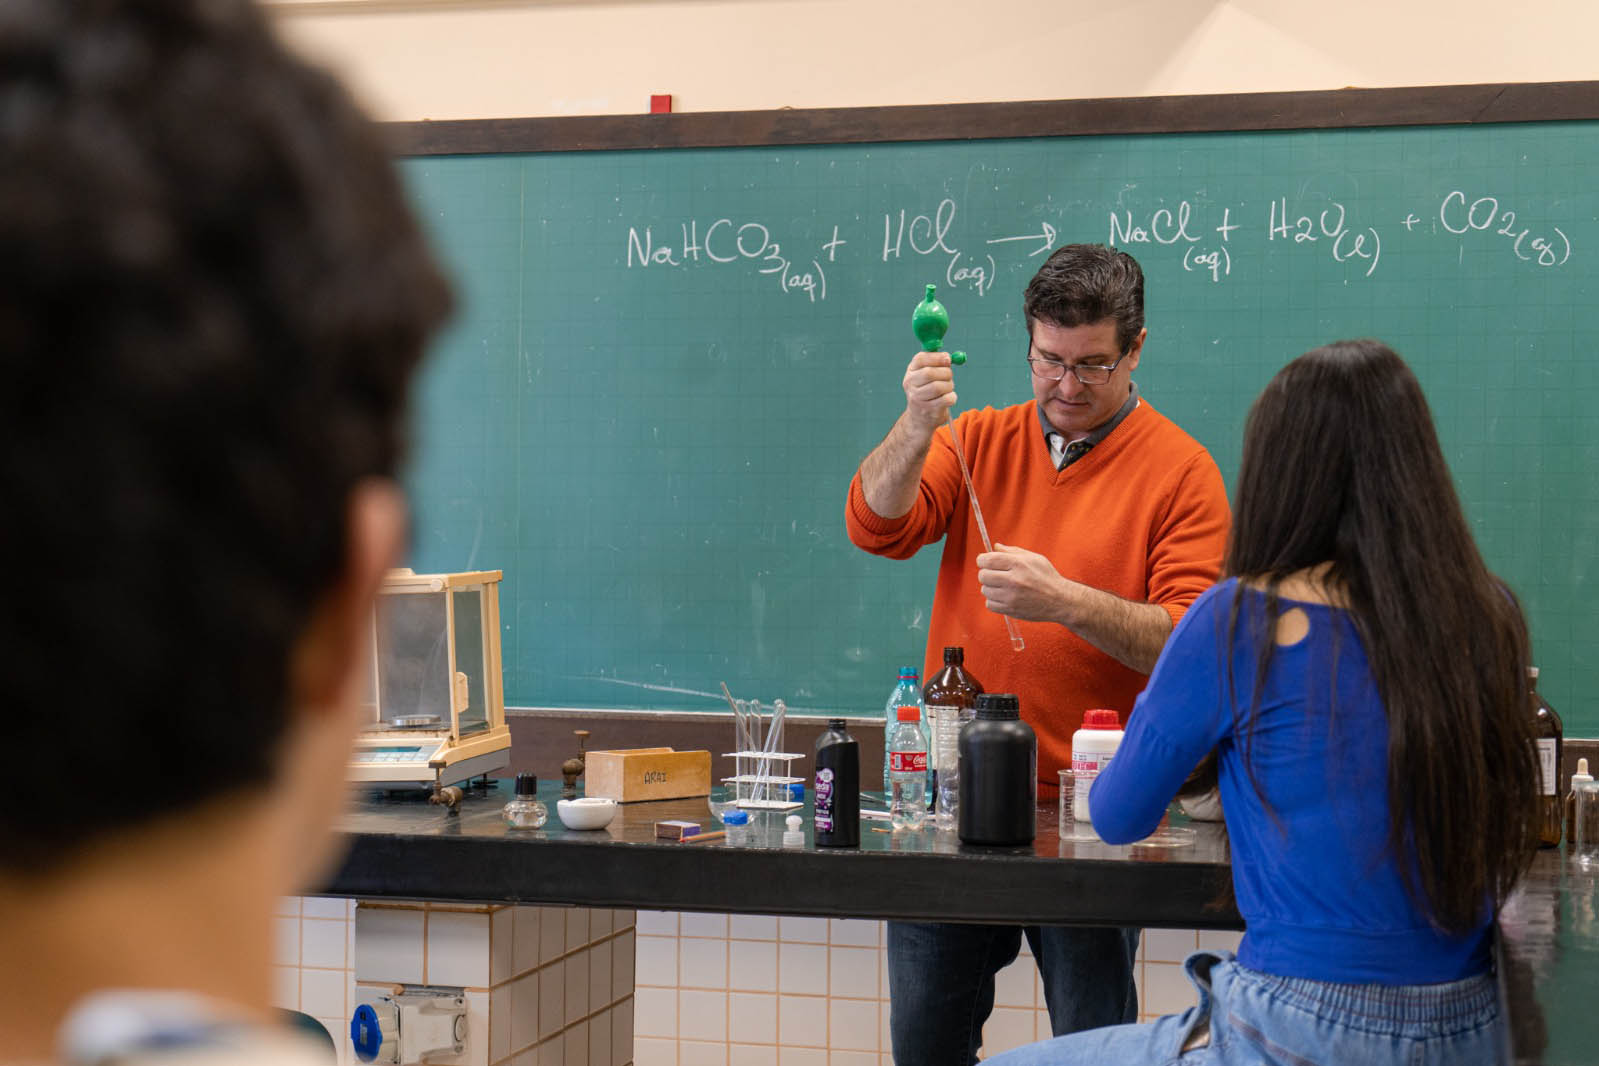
{"points": [[1318, 886]]}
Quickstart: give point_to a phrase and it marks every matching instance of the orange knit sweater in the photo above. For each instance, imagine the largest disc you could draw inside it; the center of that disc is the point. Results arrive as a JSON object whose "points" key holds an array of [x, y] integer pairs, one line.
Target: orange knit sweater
{"points": [[1143, 515]]}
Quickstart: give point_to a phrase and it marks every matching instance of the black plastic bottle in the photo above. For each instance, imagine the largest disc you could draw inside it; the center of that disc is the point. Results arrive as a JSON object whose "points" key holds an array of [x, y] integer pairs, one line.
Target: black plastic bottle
{"points": [[837, 805], [998, 774]]}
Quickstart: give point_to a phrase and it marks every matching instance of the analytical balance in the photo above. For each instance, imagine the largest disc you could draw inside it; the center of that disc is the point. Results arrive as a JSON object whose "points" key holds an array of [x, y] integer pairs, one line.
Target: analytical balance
{"points": [[436, 706]]}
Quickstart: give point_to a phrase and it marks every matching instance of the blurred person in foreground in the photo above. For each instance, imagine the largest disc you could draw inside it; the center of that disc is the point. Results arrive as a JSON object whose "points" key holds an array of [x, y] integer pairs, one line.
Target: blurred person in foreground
{"points": [[212, 300]]}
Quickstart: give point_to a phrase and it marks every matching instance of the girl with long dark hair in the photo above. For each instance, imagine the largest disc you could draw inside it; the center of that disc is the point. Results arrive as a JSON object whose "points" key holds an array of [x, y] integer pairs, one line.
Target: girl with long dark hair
{"points": [[1359, 676]]}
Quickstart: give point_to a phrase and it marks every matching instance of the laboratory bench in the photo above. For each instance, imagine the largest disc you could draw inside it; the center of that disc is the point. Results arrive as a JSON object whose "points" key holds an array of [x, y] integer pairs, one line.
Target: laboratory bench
{"points": [[403, 848]]}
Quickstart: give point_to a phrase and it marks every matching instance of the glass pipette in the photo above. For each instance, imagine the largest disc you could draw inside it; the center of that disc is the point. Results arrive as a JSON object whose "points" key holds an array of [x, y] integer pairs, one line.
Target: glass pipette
{"points": [[1016, 641], [930, 322]]}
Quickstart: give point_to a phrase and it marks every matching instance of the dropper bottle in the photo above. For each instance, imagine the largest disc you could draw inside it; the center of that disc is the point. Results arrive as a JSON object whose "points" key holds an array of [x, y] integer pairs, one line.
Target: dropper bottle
{"points": [[526, 810]]}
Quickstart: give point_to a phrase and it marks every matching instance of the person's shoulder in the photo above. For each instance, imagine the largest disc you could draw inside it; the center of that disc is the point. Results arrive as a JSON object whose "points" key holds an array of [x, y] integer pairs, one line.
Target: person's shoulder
{"points": [[1166, 433], [1010, 414], [161, 1027], [1012, 419], [259, 1049], [1215, 602]]}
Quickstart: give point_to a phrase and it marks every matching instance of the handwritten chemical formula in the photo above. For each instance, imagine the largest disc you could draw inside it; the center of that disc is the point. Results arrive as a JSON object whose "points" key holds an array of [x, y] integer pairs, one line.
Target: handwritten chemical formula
{"points": [[1205, 237]]}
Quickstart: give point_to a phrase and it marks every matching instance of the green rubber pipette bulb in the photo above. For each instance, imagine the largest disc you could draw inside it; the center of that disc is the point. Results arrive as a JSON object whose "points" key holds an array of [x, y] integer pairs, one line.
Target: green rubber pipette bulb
{"points": [[930, 322]]}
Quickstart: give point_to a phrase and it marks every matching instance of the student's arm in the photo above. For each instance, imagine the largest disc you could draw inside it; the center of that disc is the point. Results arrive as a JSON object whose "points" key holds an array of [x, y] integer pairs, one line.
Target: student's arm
{"points": [[1178, 719]]}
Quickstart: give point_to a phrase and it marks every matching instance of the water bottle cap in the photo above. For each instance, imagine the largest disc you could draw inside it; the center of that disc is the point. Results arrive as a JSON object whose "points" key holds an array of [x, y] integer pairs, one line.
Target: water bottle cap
{"points": [[998, 706], [1101, 719], [909, 672], [909, 714]]}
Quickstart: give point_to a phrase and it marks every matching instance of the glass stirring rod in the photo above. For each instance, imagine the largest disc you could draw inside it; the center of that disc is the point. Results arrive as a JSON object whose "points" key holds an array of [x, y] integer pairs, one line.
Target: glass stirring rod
{"points": [[930, 322]]}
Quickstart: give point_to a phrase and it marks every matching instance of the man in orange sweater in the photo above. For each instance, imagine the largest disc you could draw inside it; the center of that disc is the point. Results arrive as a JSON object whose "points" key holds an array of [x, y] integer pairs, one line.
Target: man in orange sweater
{"points": [[1108, 522]]}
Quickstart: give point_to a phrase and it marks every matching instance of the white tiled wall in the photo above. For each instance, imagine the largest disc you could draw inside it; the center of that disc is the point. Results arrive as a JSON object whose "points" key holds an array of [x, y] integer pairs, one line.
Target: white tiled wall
{"points": [[314, 962], [556, 986], [745, 990], [545, 986]]}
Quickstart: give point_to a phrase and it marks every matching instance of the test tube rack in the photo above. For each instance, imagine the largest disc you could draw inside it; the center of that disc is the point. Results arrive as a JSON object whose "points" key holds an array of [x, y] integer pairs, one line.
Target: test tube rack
{"points": [[756, 787]]}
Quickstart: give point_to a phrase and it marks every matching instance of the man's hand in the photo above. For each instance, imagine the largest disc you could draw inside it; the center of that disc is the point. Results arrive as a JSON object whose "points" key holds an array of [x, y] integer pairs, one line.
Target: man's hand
{"points": [[1026, 585], [1023, 584], [929, 385]]}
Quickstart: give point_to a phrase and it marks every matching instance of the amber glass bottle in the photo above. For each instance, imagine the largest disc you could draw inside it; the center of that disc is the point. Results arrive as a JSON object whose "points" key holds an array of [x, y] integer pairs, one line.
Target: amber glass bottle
{"points": [[1551, 735], [948, 698]]}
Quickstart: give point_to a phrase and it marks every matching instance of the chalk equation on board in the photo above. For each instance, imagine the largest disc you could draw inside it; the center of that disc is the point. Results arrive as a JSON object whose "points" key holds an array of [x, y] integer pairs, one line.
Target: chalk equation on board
{"points": [[1204, 237]]}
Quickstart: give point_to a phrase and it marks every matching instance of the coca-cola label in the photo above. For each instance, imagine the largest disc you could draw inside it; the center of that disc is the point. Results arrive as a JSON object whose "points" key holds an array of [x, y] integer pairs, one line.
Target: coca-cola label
{"points": [[907, 762]]}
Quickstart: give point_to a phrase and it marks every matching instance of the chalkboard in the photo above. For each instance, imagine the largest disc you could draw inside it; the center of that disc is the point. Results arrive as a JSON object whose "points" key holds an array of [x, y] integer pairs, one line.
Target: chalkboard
{"points": [[668, 363]]}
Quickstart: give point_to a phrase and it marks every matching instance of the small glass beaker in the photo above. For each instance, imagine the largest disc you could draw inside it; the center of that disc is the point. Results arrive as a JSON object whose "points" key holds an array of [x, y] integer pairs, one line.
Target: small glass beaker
{"points": [[1070, 827], [1167, 835]]}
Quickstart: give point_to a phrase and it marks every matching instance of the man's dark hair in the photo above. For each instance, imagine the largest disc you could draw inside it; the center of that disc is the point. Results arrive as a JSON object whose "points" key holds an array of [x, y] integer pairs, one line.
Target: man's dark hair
{"points": [[212, 298], [1080, 284]]}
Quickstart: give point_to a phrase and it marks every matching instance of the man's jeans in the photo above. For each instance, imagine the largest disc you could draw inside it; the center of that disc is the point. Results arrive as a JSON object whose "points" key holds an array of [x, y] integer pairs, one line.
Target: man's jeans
{"points": [[941, 983]]}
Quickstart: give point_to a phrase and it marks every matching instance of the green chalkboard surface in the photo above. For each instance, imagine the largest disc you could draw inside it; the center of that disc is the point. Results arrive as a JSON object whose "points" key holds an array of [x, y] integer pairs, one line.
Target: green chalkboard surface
{"points": [[668, 364]]}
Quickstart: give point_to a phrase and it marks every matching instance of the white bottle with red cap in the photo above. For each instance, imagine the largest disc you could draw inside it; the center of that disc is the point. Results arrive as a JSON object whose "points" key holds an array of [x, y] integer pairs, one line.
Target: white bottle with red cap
{"points": [[1092, 748]]}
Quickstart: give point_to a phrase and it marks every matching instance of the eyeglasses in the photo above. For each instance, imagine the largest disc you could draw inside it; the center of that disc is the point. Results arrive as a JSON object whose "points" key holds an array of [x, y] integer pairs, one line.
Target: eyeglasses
{"points": [[1087, 373]]}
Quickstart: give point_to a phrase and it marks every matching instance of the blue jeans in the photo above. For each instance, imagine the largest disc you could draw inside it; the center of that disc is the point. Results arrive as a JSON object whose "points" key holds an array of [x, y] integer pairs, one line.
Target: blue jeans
{"points": [[941, 983], [1247, 1017]]}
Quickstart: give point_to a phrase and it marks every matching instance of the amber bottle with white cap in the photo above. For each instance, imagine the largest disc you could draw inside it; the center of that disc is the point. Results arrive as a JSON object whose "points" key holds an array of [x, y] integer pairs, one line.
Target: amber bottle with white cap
{"points": [[1551, 735]]}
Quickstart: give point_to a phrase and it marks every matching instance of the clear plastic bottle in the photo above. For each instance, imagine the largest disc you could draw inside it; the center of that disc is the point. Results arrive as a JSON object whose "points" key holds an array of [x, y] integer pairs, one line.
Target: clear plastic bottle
{"points": [[525, 811], [948, 702], [907, 758], [1582, 818], [737, 825], [907, 693]]}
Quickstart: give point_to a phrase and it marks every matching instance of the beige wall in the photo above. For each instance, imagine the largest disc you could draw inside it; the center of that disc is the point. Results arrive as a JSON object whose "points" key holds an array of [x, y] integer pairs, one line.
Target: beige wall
{"points": [[415, 59]]}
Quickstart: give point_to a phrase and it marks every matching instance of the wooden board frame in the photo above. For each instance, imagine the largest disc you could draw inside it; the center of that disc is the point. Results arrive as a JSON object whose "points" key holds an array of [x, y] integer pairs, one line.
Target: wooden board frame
{"points": [[1317, 109]]}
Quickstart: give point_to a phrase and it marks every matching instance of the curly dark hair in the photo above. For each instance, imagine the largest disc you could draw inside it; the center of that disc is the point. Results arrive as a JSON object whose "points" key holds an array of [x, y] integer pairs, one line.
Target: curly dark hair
{"points": [[212, 298], [1080, 284]]}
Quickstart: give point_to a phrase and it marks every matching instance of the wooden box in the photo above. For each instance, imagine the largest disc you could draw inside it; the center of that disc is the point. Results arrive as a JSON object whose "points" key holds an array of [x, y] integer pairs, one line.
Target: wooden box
{"points": [[635, 774]]}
